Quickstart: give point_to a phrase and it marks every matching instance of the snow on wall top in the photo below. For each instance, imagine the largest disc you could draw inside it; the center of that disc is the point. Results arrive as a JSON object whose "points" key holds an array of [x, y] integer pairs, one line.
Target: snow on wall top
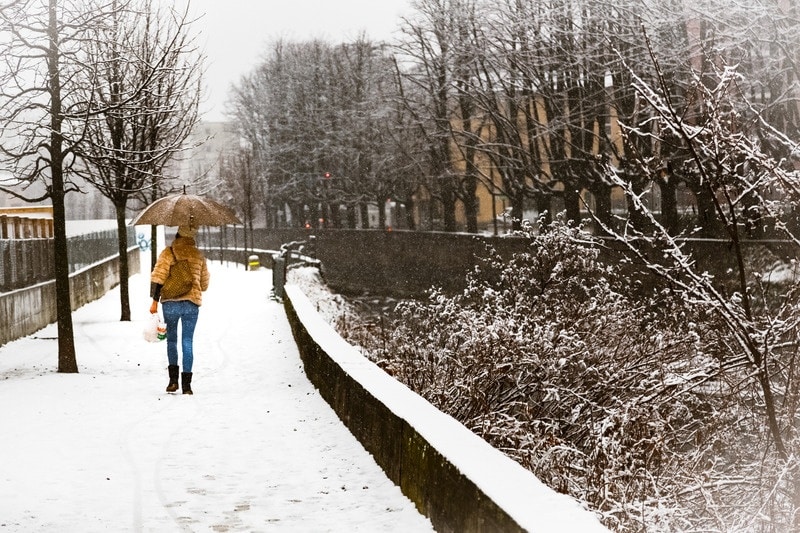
{"points": [[532, 504]]}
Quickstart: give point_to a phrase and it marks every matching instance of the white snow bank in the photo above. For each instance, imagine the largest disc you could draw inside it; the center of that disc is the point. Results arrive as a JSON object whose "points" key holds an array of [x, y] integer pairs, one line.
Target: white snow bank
{"points": [[533, 505]]}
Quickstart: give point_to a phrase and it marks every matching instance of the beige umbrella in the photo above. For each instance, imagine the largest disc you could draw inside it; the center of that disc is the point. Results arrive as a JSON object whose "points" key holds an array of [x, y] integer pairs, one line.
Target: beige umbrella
{"points": [[186, 210]]}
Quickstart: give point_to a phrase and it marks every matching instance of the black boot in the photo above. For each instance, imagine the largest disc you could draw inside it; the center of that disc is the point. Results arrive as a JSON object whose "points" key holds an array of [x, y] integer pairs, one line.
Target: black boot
{"points": [[173, 378], [186, 382]]}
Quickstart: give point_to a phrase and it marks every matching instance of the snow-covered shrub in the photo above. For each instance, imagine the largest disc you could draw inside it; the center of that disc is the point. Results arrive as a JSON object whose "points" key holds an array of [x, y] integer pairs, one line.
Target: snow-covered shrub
{"points": [[605, 391], [635, 398]]}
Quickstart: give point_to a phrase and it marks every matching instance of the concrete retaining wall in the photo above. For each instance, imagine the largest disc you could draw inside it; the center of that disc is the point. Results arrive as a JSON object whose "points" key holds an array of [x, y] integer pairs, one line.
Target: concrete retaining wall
{"points": [[384, 262], [408, 263], [26, 311], [403, 262], [453, 476]]}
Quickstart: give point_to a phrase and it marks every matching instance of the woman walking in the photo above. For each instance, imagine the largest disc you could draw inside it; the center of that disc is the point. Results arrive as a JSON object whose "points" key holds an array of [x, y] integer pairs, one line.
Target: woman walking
{"points": [[183, 308]]}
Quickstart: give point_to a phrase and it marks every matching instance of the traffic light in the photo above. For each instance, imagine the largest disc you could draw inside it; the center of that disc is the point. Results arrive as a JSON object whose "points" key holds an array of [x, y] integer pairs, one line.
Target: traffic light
{"points": [[327, 175]]}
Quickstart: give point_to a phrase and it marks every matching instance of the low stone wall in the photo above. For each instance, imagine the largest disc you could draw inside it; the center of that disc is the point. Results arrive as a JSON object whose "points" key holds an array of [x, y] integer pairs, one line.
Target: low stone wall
{"points": [[261, 238], [399, 263], [408, 263], [403, 262], [28, 310], [453, 476]]}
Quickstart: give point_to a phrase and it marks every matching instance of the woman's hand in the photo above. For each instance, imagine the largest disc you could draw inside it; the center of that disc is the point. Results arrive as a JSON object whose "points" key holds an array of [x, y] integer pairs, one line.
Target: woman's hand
{"points": [[154, 307]]}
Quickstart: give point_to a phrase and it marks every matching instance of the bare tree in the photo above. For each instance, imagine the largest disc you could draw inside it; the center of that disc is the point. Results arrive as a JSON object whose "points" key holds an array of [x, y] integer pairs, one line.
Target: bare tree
{"points": [[314, 116], [286, 112], [367, 165], [428, 47], [44, 112], [409, 148], [144, 94], [729, 148], [239, 171]]}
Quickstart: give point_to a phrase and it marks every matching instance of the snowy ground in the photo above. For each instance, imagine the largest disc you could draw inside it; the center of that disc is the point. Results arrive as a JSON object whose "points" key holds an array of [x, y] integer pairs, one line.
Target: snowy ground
{"points": [[255, 449]]}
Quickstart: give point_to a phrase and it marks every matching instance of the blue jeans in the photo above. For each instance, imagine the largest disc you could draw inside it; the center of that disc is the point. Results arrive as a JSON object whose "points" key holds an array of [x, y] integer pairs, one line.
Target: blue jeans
{"points": [[186, 312]]}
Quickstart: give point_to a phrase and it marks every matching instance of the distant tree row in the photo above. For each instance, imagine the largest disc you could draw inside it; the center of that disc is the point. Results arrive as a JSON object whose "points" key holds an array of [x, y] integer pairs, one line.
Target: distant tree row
{"points": [[318, 126], [533, 101]]}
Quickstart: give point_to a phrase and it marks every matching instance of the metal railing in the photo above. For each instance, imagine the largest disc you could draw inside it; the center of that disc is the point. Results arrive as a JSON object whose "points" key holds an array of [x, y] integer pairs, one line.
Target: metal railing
{"points": [[291, 252], [26, 262]]}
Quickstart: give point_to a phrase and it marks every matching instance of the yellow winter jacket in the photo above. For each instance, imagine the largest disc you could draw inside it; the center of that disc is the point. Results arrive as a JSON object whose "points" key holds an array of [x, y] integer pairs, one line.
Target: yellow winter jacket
{"points": [[183, 248]]}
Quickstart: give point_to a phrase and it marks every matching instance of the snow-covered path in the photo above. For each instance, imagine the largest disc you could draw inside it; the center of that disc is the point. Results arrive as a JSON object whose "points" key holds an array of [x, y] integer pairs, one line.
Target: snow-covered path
{"points": [[255, 449]]}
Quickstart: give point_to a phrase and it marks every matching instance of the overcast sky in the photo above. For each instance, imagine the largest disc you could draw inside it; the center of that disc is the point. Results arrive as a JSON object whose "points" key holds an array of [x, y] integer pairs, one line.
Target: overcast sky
{"points": [[235, 33]]}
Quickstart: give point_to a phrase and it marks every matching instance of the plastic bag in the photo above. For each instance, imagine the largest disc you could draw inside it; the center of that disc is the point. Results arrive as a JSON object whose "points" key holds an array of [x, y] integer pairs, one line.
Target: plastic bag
{"points": [[155, 330]]}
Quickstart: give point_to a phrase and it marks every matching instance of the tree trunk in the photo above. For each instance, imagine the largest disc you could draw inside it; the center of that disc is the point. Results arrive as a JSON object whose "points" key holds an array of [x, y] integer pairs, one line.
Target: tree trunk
{"points": [[706, 213], [471, 203], [572, 203], [124, 269], [336, 218], [298, 215], [602, 204], [448, 205], [470, 183], [364, 212], [669, 204], [67, 361], [314, 214], [381, 211], [517, 209], [153, 247], [411, 222], [269, 223]]}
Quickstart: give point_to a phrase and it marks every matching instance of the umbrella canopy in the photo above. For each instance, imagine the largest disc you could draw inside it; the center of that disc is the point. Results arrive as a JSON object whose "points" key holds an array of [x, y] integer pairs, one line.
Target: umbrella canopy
{"points": [[186, 210]]}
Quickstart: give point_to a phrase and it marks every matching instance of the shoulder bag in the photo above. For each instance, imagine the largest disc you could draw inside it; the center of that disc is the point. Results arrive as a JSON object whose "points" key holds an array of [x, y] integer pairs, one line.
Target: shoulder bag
{"points": [[180, 279]]}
